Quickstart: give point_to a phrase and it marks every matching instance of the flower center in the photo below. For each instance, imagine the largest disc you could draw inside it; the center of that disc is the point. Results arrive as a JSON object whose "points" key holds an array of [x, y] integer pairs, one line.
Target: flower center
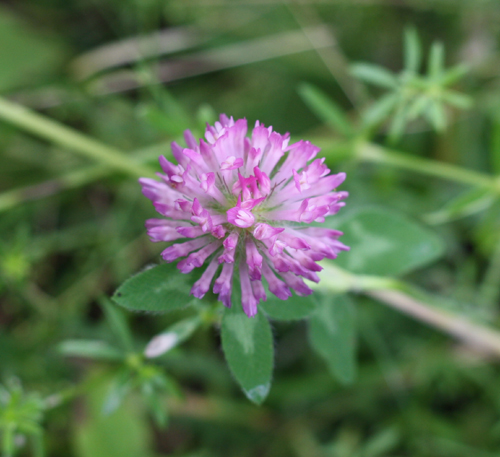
{"points": [[240, 217]]}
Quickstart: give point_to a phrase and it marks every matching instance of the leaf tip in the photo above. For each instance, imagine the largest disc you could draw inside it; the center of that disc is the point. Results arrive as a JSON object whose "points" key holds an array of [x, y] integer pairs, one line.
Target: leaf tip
{"points": [[258, 394]]}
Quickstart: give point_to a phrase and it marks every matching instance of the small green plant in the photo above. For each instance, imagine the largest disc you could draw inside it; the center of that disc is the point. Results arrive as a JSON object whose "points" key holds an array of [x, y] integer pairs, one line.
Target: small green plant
{"points": [[412, 95], [21, 416], [130, 370]]}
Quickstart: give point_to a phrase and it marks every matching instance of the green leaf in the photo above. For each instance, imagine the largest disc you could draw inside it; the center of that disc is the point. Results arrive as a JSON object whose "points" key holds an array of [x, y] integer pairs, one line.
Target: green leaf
{"points": [[436, 61], [398, 124], [412, 50], [385, 242], [457, 99], [436, 115], [332, 333], [155, 404], [248, 348], [158, 289], [91, 349], [418, 105], [381, 109], [454, 74], [119, 388], [118, 323], [172, 336], [292, 309], [382, 443], [374, 74], [467, 203], [326, 110]]}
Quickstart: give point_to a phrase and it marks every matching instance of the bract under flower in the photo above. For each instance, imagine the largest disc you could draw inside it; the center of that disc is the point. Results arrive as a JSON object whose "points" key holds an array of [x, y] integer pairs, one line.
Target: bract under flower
{"points": [[242, 203]]}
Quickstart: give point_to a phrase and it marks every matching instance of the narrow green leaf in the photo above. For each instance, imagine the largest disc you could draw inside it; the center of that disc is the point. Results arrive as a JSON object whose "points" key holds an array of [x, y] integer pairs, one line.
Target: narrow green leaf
{"points": [[118, 323], [398, 124], [91, 349], [167, 384], [155, 403], [436, 115], [436, 61], [248, 348], [172, 336], [374, 74], [412, 50], [382, 443], [454, 74], [158, 289], [292, 309], [333, 333], [386, 243], [418, 105], [381, 109], [466, 204], [326, 110], [119, 388], [457, 99]]}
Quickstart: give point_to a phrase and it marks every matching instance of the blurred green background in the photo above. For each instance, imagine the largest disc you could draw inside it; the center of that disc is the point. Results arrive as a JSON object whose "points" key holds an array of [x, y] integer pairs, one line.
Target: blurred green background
{"points": [[133, 75]]}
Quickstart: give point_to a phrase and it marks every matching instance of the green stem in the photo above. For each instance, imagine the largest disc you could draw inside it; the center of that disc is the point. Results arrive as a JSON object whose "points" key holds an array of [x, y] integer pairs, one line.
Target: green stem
{"points": [[374, 153], [66, 137], [393, 293], [71, 180]]}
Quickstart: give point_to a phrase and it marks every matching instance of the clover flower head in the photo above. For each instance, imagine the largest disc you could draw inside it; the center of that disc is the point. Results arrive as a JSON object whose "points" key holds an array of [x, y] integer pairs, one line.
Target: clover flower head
{"points": [[243, 204]]}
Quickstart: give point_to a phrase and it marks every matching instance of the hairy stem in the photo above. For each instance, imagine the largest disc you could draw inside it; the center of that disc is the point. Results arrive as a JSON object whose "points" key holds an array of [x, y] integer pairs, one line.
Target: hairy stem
{"points": [[477, 335], [391, 292]]}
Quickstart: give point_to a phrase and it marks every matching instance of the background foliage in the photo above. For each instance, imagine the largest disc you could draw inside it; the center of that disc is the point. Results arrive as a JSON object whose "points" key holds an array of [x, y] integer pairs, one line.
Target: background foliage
{"points": [[403, 96]]}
